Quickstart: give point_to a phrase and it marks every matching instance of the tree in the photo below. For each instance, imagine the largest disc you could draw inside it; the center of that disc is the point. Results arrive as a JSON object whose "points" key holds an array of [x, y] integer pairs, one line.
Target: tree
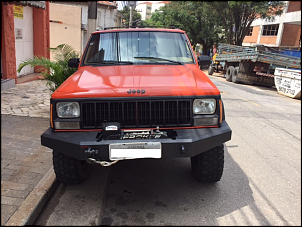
{"points": [[193, 17], [136, 17], [156, 19], [213, 22], [239, 15], [56, 72]]}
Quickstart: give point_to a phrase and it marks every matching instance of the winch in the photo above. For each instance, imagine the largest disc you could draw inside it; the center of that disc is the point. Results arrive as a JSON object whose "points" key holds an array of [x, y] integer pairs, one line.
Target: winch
{"points": [[112, 130]]}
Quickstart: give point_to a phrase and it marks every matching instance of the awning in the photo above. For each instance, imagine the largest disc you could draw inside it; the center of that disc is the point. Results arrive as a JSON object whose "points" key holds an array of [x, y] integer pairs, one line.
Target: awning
{"points": [[38, 4]]}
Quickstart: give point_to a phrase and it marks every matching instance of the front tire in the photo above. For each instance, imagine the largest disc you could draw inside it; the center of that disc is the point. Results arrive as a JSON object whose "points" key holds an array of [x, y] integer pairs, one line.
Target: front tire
{"points": [[210, 70], [208, 166], [229, 73], [69, 170], [235, 74]]}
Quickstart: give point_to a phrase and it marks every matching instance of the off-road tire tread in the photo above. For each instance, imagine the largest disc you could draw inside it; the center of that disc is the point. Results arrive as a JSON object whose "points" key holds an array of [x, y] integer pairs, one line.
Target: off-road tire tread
{"points": [[69, 170], [208, 166]]}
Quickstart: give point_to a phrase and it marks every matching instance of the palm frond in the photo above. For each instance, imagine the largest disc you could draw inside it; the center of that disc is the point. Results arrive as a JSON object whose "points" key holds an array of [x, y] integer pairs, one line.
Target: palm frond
{"points": [[54, 72]]}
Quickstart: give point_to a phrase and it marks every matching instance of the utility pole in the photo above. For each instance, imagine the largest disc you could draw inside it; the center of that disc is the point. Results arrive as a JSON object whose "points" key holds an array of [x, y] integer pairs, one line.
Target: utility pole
{"points": [[132, 5], [130, 20], [92, 17]]}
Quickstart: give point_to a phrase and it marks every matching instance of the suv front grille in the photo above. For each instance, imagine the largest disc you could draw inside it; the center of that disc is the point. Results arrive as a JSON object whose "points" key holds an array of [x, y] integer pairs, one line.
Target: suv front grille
{"points": [[137, 114]]}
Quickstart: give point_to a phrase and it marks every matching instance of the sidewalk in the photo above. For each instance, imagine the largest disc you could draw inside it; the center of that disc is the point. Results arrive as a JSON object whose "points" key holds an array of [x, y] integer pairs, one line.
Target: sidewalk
{"points": [[27, 176]]}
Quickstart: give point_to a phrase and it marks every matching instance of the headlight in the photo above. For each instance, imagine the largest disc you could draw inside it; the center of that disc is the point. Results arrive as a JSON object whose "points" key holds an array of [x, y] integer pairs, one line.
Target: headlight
{"points": [[68, 109], [204, 106]]}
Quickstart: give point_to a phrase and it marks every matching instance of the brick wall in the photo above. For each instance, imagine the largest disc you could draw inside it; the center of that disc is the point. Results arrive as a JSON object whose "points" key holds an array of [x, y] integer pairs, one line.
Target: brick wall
{"points": [[294, 6], [268, 40], [254, 37], [41, 31], [8, 51], [291, 35]]}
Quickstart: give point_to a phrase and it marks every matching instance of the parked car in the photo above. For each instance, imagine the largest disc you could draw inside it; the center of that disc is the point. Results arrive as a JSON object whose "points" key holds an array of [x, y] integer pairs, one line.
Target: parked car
{"points": [[137, 93]]}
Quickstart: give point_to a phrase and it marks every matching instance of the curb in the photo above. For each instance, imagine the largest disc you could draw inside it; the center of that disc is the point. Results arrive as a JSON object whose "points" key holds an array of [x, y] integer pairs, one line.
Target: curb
{"points": [[31, 207]]}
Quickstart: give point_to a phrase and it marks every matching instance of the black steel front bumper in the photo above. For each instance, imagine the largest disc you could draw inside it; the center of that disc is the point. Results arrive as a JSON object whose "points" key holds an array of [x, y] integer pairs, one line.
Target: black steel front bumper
{"points": [[188, 143]]}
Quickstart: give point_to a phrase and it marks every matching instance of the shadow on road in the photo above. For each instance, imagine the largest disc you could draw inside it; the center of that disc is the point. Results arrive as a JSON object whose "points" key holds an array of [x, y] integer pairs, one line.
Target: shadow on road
{"points": [[163, 192]]}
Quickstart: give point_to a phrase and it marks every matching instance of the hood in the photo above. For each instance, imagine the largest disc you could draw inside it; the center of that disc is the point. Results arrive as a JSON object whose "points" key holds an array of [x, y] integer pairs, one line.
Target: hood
{"points": [[136, 81]]}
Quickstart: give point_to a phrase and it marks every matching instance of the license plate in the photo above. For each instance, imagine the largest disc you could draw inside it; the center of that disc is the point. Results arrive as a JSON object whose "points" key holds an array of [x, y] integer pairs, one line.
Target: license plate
{"points": [[120, 151]]}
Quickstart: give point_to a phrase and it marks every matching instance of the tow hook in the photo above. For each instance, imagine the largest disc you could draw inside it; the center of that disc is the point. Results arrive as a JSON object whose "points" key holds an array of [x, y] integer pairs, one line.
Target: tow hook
{"points": [[102, 163], [90, 158]]}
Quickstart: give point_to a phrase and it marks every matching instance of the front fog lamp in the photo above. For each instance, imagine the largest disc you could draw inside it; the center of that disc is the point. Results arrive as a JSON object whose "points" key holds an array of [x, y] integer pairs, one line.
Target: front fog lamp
{"points": [[68, 109], [204, 106]]}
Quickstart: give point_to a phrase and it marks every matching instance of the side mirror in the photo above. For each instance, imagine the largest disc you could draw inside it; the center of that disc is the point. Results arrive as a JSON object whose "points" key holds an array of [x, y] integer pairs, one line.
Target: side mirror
{"points": [[73, 62]]}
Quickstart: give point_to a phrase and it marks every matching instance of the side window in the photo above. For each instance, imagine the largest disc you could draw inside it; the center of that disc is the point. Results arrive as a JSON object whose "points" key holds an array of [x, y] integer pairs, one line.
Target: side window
{"points": [[92, 50]]}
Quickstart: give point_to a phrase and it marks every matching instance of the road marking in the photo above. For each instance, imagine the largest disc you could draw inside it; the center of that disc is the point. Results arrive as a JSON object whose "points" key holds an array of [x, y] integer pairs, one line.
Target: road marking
{"points": [[248, 100]]}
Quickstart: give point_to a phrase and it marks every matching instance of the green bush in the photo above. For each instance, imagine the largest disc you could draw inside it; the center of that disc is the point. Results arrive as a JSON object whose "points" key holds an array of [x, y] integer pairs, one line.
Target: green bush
{"points": [[55, 72]]}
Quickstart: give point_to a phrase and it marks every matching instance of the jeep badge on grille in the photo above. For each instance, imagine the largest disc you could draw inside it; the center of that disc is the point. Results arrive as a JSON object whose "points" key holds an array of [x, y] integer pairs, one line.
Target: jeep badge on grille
{"points": [[138, 91]]}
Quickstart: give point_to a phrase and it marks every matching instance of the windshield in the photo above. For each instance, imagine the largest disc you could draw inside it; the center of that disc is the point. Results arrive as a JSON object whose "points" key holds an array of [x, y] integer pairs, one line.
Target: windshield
{"points": [[137, 48]]}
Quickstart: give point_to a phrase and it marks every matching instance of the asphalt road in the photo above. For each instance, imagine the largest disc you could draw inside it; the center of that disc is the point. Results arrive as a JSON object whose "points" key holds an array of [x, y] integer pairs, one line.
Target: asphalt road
{"points": [[261, 183]]}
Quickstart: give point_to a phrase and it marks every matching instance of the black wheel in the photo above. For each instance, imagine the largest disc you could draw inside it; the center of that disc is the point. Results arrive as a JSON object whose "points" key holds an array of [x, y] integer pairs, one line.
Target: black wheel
{"points": [[208, 166], [235, 75], [210, 70], [229, 73], [69, 170]]}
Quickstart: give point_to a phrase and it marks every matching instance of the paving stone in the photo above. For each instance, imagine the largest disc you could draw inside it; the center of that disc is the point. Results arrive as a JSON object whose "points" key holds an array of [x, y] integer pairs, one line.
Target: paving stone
{"points": [[31, 178], [17, 166], [6, 212], [7, 172], [15, 193], [24, 161], [12, 185], [8, 200]]}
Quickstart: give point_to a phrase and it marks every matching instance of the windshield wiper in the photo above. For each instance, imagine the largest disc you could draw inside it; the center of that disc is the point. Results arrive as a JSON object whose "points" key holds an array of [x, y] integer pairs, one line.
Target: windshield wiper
{"points": [[111, 62], [161, 59]]}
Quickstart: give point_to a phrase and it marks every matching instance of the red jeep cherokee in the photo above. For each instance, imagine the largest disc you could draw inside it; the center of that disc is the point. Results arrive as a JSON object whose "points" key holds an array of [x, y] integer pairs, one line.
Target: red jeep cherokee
{"points": [[138, 93]]}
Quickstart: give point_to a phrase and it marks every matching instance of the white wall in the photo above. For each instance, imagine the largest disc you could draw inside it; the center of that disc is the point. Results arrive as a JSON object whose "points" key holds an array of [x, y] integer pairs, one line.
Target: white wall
{"points": [[24, 46], [69, 31]]}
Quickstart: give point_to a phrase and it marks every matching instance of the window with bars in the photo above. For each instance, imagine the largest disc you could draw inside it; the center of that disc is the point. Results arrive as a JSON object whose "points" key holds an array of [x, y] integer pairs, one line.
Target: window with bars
{"points": [[270, 30], [250, 31]]}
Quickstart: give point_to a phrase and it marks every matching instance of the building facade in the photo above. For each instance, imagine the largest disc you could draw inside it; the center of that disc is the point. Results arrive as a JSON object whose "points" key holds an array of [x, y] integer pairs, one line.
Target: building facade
{"points": [[157, 5], [144, 9], [30, 28], [24, 33], [70, 19], [282, 33], [147, 8]]}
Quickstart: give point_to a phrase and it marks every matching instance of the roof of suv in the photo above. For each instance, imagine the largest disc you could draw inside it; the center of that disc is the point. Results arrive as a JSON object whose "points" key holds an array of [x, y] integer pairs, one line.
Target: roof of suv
{"points": [[120, 29]]}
